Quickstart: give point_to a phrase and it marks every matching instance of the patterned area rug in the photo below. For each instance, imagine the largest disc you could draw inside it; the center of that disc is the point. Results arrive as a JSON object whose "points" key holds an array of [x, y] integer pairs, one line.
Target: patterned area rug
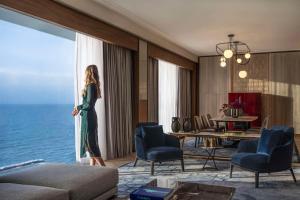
{"points": [[272, 186]]}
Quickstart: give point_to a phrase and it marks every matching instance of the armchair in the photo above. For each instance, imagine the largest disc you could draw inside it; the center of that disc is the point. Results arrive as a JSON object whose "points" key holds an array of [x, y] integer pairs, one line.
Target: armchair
{"points": [[155, 146], [271, 153]]}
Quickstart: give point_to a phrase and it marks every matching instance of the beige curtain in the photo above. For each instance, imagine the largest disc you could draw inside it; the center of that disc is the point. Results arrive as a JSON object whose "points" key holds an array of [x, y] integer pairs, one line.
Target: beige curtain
{"points": [[152, 89], [184, 93], [117, 64]]}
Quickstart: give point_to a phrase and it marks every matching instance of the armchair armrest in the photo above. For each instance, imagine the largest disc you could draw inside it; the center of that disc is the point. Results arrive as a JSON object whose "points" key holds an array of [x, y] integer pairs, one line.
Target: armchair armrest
{"points": [[281, 157], [247, 146], [172, 141], [140, 147]]}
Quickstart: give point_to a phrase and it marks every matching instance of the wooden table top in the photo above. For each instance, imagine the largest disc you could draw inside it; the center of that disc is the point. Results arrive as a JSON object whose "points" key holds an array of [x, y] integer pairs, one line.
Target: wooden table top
{"points": [[235, 119], [226, 135]]}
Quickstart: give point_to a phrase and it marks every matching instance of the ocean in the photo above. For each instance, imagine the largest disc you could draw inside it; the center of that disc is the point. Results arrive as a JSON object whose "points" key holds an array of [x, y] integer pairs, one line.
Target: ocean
{"points": [[30, 132]]}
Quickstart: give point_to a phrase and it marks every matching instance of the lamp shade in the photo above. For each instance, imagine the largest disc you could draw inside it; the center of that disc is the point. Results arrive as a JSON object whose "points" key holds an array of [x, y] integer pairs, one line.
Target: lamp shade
{"points": [[223, 64], [247, 55], [243, 74], [228, 53]]}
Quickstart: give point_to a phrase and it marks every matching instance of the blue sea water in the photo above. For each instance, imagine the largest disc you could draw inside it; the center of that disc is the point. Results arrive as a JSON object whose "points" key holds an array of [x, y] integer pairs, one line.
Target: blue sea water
{"points": [[36, 132]]}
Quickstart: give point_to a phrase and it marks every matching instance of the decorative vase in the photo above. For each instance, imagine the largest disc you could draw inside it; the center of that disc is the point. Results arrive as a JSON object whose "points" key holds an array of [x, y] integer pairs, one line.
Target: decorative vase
{"points": [[235, 112], [175, 124], [187, 124]]}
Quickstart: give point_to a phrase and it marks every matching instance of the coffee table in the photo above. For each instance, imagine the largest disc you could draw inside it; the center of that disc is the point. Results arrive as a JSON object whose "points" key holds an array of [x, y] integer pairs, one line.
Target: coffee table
{"points": [[194, 191]]}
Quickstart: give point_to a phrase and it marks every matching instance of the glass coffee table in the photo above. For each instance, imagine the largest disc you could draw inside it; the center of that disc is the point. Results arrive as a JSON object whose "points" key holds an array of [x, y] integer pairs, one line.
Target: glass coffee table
{"points": [[192, 191]]}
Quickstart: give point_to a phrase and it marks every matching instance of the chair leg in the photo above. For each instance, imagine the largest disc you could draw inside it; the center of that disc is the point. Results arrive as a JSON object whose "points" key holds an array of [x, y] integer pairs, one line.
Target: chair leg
{"points": [[256, 179], [231, 169], [135, 162], [182, 144], [182, 164], [293, 175], [152, 168], [196, 138]]}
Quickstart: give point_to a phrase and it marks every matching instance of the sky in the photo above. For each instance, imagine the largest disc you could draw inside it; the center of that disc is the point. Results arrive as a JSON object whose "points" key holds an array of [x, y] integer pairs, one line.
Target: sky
{"points": [[35, 67]]}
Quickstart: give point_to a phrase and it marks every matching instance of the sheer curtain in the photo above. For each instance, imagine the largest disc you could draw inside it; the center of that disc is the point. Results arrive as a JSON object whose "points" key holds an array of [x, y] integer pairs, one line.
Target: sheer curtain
{"points": [[89, 51], [168, 89]]}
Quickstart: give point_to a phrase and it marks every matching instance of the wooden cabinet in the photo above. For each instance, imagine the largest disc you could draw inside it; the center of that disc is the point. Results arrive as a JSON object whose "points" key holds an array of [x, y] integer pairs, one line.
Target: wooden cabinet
{"points": [[250, 103]]}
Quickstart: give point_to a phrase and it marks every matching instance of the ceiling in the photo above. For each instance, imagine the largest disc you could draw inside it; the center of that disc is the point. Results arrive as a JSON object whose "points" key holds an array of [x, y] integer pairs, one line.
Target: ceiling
{"points": [[197, 25]]}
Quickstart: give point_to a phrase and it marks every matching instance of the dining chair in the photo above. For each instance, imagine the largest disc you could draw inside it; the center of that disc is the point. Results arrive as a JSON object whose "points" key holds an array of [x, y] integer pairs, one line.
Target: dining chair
{"points": [[198, 126], [213, 125], [205, 122], [211, 122], [264, 124]]}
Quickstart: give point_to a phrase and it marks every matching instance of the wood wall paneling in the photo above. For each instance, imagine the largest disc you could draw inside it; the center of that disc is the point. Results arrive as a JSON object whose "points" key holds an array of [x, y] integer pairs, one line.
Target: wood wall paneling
{"points": [[276, 76], [143, 80], [59, 14], [256, 80], [135, 93], [164, 54], [195, 89], [213, 85], [284, 88]]}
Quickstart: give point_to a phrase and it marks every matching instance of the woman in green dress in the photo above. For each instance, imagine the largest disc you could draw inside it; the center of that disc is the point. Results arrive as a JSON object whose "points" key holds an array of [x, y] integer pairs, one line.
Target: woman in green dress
{"points": [[89, 126]]}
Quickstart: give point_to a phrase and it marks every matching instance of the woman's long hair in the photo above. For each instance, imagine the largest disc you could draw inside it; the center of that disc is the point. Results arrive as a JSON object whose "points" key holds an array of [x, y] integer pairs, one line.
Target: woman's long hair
{"points": [[92, 76]]}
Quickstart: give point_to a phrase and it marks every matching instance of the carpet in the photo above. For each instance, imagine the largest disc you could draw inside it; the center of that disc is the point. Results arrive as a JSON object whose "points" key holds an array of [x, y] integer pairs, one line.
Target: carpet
{"points": [[272, 186]]}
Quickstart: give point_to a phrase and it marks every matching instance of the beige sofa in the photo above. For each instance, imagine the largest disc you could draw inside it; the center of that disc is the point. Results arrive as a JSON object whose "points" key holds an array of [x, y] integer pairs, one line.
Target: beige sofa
{"points": [[60, 182]]}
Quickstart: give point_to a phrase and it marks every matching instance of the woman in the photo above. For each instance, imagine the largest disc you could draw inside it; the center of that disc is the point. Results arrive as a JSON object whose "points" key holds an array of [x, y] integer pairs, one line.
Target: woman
{"points": [[89, 133]]}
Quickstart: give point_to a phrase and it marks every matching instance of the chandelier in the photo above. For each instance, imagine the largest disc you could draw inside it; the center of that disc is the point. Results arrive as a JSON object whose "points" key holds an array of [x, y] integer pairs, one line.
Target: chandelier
{"points": [[238, 50]]}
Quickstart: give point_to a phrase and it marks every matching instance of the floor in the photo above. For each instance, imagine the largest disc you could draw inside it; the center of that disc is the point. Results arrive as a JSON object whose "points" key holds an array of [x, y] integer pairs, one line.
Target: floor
{"points": [[116, 163], [272, 186]]}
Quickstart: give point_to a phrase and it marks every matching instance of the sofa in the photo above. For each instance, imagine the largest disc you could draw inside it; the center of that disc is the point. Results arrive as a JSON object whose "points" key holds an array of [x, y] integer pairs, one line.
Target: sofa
{"points": [[59, 182], [153, 145], [271, 153]]}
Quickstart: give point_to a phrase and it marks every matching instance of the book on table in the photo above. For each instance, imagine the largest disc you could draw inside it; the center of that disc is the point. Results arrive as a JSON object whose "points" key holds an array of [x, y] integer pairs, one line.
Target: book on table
{"points": [[151, 193]]}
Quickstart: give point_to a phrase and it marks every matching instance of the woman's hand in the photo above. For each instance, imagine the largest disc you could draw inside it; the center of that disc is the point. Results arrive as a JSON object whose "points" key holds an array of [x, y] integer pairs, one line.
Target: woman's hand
{"points": [[75, 112]]}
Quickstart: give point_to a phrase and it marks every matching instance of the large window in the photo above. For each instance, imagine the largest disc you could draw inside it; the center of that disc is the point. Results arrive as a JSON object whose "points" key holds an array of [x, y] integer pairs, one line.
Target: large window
{"points": [[168, 88], [36, 92]]}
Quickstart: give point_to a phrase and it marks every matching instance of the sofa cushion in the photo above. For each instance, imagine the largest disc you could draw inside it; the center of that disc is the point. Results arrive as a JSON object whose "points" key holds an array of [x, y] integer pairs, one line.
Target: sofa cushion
{"points": [[253, 161], [164, 153], [82, 182], [153, 136], [268, 140], [12, 191]]}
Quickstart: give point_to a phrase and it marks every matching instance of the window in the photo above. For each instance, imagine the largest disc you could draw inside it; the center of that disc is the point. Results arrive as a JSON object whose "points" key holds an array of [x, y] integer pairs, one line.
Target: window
{"points": [[36, 90], [168, 88]]}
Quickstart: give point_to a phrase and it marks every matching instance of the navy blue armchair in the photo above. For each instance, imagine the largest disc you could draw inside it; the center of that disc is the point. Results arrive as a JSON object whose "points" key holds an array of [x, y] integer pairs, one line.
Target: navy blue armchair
{"points": [[153, 145], [273, 152]]}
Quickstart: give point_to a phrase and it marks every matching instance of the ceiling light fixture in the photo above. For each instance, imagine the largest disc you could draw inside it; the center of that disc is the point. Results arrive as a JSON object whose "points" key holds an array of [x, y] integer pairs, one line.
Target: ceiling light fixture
{"points": [[243, 74], [237, 49]]}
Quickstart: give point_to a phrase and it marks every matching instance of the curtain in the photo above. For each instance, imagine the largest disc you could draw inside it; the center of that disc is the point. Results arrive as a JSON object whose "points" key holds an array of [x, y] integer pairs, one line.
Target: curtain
{"points": [[89, 51], [167, 100], [118, 65], [152, 89], [184, 94]]}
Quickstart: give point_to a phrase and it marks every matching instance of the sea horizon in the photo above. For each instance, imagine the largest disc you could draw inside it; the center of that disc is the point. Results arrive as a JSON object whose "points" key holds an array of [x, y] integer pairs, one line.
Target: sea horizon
{"points": [[37, 131]]}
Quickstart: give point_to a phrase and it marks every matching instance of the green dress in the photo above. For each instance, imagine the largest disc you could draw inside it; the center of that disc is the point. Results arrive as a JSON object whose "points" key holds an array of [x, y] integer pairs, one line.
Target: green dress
{"points": [[89, 126]]}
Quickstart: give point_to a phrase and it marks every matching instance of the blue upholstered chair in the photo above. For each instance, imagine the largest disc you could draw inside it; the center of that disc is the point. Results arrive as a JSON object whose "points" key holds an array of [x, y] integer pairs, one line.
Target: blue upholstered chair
{"points": [[271, 153], [153, 145]]}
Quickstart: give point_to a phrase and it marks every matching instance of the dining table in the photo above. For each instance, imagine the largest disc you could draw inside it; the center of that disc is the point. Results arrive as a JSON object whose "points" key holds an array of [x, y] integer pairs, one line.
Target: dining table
{"points": [[241, 119]]}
